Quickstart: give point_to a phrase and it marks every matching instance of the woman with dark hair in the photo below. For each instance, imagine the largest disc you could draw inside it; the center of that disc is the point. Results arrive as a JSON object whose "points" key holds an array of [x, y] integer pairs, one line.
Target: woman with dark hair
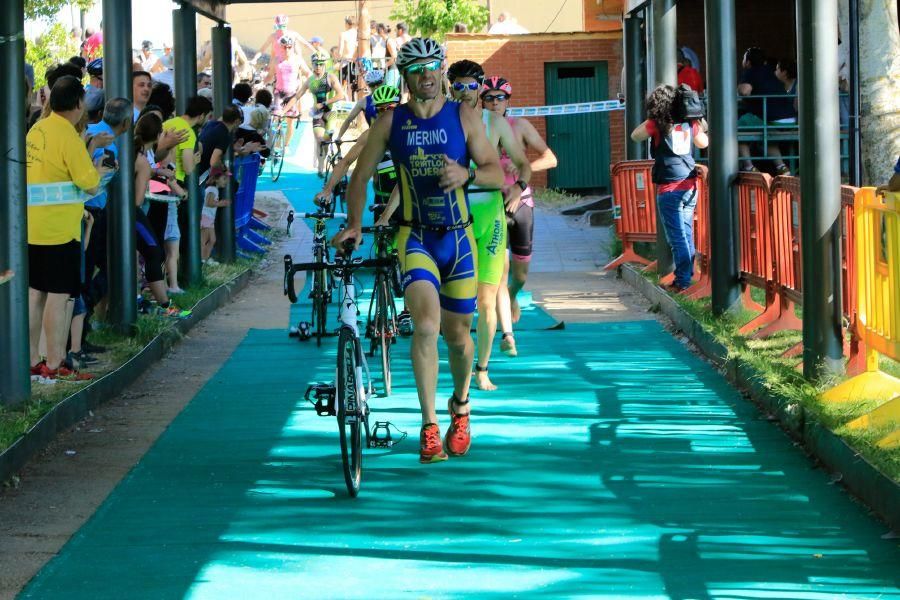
{"points": [[674, 174], [147, 132], [161, 96]]}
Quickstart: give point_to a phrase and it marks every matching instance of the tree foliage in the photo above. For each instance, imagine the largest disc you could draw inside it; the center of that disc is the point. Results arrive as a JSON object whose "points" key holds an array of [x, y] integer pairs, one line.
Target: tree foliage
{"points": [[53, 46], [436, 18], [47, 9]]}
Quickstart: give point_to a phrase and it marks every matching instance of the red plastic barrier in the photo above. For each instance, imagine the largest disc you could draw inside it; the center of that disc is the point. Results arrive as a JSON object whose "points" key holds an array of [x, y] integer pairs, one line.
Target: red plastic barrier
{"points": [[756, 265], [786, 257], [634, 206]]}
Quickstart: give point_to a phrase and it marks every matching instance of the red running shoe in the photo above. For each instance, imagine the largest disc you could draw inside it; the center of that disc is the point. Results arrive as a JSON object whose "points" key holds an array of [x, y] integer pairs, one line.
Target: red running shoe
{"points": [[63, 373], [459, 435], [430, 447]]}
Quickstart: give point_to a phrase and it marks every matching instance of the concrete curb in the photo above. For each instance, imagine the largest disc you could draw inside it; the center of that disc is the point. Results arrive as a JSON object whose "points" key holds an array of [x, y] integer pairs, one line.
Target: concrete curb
{"points": [[76, 407], [861, 478]]}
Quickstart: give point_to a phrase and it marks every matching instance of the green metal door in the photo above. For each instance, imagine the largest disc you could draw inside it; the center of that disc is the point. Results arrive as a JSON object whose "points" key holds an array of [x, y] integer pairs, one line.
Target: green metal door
{"points": [[581, 142]]}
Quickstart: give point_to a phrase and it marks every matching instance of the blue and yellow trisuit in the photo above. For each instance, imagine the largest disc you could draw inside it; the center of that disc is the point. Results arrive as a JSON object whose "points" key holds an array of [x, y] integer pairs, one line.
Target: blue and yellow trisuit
{"points": [[435, 241]]}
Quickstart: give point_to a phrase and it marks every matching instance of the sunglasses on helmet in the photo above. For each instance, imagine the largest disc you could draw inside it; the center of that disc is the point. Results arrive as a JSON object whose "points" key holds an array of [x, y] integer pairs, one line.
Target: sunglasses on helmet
{"points": [[473, 85], [416, 69]]}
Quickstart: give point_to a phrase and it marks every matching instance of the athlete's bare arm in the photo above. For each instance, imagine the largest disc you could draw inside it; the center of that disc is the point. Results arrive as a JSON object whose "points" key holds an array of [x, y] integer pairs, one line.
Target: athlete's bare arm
{"points": [[489, 174], [390, 207], [338, 89], [510, 143], [341, 168], [532, 140], [357, 108], [372, 153]]}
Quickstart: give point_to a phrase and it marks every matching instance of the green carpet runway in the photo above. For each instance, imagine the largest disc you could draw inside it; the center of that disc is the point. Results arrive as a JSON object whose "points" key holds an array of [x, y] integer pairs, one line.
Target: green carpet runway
{"points": [[601, 468], [611, 463]]}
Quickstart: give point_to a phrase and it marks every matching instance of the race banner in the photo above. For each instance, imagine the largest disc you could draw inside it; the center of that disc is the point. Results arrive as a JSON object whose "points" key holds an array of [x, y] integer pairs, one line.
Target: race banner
{"points": [[566, 109]]}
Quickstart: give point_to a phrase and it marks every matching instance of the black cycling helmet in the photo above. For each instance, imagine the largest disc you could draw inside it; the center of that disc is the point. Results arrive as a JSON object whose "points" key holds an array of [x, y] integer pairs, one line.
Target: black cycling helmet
{"points": [[465, 68], [95, 67]]}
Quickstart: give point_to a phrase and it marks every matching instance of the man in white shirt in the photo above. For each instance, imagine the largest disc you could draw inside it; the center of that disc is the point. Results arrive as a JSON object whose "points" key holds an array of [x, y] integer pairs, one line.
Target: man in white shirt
{"points": [[347, 51], [506, 25]]}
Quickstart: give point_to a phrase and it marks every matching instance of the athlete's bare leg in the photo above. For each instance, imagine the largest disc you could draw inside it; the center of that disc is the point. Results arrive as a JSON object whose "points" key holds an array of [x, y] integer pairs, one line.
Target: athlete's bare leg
{"points": [[457, 334], [485, 331], [424, 307], [519, 271], [503, 306]]}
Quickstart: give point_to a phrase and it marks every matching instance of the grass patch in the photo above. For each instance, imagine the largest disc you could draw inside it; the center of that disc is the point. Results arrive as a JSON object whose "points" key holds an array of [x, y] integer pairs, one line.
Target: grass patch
{"points": [[554, 198], [120, 348], [779, 375]]}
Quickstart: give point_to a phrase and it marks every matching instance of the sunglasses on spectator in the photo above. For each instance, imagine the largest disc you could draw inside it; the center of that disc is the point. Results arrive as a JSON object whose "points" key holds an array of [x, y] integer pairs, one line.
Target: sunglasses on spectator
{"points": [[495, 98], [417, 69], [473, 85]]}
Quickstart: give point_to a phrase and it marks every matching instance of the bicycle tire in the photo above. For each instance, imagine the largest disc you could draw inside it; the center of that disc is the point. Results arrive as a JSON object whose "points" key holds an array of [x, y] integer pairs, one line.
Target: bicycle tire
{"points": [[385, 334], [322, 302], [277, 156], [348, 409]]}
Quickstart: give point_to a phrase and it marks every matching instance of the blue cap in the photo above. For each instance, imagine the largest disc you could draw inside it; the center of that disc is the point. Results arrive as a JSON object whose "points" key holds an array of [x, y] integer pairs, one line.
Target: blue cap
{"points": [[94, 100], [315, 39]]}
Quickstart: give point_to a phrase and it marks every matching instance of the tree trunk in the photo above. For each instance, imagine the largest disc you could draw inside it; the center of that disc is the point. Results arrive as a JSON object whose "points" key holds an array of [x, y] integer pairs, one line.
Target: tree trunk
{"points": [[879, 80]]}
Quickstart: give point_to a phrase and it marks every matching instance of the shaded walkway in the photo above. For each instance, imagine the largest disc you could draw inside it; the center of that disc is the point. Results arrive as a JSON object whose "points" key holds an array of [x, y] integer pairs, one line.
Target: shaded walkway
{"points": [[612, 463]]}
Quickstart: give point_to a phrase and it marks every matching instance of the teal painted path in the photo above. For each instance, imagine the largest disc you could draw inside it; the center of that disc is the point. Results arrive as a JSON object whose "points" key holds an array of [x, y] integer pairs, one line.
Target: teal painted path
{"points": [[612, 463]]}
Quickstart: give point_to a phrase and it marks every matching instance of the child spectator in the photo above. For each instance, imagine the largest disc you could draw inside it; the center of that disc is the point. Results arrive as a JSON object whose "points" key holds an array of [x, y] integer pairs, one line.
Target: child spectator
{"points": [[218, 178], [675, 175]]}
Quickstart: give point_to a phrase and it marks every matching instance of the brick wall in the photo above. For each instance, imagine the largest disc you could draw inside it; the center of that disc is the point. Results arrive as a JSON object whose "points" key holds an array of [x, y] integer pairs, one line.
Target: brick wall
{"points": [[521, 59]]}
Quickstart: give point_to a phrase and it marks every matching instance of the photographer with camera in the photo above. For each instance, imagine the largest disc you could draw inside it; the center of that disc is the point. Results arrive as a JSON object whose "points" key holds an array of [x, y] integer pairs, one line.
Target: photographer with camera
{"points": [[676, 125]]}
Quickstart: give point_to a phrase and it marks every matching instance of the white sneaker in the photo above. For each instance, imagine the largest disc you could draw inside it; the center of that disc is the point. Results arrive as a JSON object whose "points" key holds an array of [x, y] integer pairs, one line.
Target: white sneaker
{"points": [[212, 262], [177, 290]]}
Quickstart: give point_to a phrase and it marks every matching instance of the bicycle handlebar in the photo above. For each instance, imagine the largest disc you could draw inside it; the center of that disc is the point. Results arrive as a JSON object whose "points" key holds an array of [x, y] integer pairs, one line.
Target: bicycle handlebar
{"points": [[321, 215], [379, 229], [352, 264]]}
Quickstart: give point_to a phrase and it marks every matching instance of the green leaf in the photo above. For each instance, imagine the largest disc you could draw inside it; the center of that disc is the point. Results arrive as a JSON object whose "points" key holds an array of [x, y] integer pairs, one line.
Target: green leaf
{"points": [[436, 18]]}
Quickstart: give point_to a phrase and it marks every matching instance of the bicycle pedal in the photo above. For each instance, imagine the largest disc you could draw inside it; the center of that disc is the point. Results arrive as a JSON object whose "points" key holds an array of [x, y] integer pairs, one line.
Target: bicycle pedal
{"points": [[323, 400], [381, 435]]}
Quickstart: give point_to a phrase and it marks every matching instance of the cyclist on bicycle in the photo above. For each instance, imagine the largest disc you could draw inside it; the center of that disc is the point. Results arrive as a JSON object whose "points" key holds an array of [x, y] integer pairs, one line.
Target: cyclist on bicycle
{"points": [[287, 84], [495, 97], [487, 202], [433, 143], [366, 105], [326, 90], [278, 52], [385, 98]]}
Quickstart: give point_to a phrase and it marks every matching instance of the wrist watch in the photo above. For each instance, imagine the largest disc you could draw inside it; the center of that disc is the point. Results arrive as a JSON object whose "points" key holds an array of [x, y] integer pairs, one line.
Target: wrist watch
{"points": [[522, 185], [471, 175]]}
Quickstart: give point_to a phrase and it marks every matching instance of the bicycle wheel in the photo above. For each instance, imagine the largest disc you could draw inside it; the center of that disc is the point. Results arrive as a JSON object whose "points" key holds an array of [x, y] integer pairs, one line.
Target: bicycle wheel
{"points": [[385, 334], [349, 413], [321, 302]]}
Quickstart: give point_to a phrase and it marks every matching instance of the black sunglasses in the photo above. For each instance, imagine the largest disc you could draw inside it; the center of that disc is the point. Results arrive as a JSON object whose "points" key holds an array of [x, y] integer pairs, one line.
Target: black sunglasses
{"points": [[495, 98]]}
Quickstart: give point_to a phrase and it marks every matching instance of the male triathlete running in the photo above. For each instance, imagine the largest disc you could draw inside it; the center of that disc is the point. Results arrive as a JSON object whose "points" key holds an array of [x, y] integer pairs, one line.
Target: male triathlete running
{"points": [[366, 104], [432, 142], [487, 204], [278, 52], [495, 97], [321, 85], [287, 84]]}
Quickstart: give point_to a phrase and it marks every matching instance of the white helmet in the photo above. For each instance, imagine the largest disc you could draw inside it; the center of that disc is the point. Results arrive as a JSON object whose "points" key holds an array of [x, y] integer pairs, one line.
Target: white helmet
{"points": [[374, 76], [418, 48]]}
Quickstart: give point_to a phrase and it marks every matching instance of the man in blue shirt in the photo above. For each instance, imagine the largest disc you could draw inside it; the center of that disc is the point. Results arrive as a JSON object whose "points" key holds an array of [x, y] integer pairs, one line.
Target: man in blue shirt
{"points": [[117, 115], [894, 184]]}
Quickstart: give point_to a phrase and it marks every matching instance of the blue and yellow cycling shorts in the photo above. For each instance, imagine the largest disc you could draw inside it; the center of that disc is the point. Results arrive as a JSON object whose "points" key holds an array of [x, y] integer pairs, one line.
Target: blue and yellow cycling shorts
{"points": [[446, 259]]}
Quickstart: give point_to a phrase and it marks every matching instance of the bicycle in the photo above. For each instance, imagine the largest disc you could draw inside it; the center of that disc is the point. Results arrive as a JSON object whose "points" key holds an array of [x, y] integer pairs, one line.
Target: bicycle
{"points": [[381, 325], [334, 155], [278, 145], [321, 287], [348, 397]]}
